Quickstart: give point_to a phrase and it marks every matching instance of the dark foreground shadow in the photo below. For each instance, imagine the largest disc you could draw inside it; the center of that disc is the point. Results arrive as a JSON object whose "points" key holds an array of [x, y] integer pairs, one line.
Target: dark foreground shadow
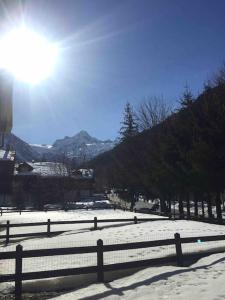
{"points": [[163, 276], [22, 239]]}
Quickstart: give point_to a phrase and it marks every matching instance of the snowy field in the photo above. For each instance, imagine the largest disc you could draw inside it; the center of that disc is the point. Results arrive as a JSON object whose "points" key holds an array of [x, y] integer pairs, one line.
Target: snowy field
{"points": [[112, 233], [203, 280]]}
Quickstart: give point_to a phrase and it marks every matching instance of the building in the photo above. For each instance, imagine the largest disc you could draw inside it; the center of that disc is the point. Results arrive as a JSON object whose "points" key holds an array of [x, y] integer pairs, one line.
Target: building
{"points": [[40, 183]]}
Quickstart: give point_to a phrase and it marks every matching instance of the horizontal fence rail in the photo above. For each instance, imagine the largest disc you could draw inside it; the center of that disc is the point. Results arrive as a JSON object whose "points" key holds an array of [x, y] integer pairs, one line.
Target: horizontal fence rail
{"points": [[83, 221], [99, 249], [20, 211], [7, 236]]}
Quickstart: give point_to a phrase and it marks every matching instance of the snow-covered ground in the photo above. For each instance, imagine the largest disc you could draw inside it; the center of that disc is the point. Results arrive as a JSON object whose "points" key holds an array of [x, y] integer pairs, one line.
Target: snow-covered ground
{"points": [[162, 286], [203, 280]]}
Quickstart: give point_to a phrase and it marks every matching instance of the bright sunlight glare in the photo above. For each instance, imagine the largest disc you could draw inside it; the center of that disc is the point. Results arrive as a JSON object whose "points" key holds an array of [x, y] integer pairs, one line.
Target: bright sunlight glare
{"points": [[27, 55]]}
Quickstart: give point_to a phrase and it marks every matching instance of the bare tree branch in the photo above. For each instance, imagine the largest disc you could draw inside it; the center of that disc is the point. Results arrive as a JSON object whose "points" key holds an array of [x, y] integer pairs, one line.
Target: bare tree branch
{"points": [[151, 112]]}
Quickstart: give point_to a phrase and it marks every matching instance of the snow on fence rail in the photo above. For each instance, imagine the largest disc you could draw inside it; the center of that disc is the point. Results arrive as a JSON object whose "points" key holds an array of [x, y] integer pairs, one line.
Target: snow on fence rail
{"points": [[49, 223], [99, 268]]}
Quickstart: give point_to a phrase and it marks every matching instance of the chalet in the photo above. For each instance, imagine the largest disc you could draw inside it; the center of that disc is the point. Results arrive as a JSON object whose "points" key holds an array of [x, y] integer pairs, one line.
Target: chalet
{"points": [[40, 183], [24, 168]]}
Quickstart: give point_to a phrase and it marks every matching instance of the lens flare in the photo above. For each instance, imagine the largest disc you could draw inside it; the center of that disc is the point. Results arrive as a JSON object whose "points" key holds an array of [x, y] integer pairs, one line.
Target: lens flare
{"points": [[27, 55]]}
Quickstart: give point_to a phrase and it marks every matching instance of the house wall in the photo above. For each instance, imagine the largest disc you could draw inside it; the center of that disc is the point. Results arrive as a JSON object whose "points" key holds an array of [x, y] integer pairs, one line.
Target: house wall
{"points": [[84, 193], [6, 200], [40, 190]]}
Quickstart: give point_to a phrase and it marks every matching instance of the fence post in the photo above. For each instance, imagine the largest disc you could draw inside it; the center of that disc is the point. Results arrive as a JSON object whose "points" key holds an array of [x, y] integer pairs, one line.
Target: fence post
{"points": [[100, 262], [7, 232], [18, 272], [135, 220], [1, 212], [179, 253], [49, 228], [95, 223]]}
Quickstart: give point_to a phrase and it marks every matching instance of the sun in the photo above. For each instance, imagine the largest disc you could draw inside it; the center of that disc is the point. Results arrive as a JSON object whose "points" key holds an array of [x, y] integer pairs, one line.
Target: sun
{"points": [[27, 55]]}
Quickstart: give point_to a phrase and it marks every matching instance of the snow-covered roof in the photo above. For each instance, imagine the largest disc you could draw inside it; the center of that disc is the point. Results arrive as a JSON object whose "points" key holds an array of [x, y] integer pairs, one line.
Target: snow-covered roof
{"points": [[7, 155], [46, 169], [87, 173], [51, 169]]}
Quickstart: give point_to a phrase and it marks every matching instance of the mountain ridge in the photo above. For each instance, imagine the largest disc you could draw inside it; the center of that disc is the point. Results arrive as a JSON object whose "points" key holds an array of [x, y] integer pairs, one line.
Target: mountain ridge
{"points": [[80, 147]]}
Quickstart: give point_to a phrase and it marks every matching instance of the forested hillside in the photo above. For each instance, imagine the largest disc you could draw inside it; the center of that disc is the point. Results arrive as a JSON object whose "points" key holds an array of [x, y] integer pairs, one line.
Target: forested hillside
{"points": [[182, 157]]}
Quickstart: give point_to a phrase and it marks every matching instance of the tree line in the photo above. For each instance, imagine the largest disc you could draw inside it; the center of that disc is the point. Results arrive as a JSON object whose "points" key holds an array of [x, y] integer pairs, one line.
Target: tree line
{"points": [[175, 156]]}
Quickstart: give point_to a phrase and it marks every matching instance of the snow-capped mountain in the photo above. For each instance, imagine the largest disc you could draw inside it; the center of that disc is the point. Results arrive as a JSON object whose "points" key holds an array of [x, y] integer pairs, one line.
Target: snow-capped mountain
{"points": [[81, 147]]}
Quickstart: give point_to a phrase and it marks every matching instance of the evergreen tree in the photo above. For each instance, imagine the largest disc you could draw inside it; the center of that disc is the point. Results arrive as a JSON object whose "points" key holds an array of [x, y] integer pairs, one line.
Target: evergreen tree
{"points": [[187, 98], [129, 124]]}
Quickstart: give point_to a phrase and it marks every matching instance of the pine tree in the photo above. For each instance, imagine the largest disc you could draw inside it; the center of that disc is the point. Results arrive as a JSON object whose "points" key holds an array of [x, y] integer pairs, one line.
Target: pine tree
{"points": [[187, 98], [129, 125]]}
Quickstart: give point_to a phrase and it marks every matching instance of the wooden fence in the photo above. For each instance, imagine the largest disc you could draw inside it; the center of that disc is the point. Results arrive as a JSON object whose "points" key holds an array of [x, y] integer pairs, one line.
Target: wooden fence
{"points": [[99, 249], [7, 236], [16, 210]]}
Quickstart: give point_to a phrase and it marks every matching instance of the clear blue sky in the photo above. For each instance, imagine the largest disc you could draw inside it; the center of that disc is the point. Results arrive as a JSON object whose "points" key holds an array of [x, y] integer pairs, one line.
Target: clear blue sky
{"points": [[116, 51]]}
